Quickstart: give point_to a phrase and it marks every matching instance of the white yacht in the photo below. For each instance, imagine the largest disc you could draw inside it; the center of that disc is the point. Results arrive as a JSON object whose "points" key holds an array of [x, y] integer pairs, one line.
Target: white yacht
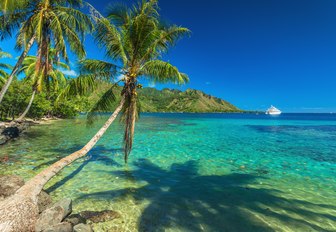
{"points": [[273, 111]]}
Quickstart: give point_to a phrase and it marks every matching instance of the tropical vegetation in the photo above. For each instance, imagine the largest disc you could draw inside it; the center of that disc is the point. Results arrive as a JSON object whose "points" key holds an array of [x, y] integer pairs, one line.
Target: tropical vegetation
{"points": [[51, 80], [20, 94], [57, 23], [151, 99]]}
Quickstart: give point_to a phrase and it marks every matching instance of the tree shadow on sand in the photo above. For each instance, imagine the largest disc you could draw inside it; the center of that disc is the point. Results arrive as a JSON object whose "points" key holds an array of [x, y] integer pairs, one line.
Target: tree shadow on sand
{"points": [[181, 199]]}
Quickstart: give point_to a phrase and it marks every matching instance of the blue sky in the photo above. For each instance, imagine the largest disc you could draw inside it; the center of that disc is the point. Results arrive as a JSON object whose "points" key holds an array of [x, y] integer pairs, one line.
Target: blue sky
{"points": [[253, 53]]}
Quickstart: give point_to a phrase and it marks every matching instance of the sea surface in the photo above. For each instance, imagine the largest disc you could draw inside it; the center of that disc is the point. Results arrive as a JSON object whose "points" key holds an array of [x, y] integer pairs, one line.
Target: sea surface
{"points": [[193, 172]]}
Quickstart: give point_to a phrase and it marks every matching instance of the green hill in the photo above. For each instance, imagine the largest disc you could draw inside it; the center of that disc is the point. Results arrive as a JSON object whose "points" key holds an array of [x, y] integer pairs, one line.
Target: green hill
{"points": [[172, 100]]}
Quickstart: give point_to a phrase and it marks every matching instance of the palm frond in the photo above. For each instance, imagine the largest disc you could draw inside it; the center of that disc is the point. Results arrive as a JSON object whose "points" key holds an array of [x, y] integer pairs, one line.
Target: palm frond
{"points": [[2, 80], [79, 86], [74, 41], [104, 104], [118, 13], [3, 75], [5, 66], [7, 6], [101, 69], [107, 36], [165, 38], [163, 72], [5, 54], [69, 3], [10, 23]]}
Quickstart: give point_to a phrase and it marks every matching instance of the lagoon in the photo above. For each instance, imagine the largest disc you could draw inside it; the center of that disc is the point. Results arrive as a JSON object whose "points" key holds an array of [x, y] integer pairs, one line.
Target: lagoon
{"points": [[193, 172]]}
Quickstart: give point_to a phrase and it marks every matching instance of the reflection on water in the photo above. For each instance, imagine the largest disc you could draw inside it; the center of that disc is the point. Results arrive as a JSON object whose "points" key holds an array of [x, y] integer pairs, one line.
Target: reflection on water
{"points": [[194, 172]]}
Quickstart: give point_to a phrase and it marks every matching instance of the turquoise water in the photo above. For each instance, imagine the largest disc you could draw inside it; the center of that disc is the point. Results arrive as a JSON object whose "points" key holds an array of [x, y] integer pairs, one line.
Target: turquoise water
{"points": [[194, 172]]}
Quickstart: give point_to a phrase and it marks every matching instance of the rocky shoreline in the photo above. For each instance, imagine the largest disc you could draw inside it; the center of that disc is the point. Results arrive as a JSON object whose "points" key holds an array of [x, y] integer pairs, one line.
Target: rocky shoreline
{"points": [[13, 130], [58, 216]]}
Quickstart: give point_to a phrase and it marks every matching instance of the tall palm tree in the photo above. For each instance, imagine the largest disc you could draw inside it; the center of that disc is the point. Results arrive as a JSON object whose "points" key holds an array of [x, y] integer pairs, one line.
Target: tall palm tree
{"points": [[45, 22], [137, 39], [52, 78], [3, 67]]}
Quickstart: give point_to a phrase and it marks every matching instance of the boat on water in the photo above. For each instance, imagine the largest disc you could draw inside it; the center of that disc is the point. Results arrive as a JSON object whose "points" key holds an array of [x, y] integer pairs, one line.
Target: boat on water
{"points": [[273, 111]]}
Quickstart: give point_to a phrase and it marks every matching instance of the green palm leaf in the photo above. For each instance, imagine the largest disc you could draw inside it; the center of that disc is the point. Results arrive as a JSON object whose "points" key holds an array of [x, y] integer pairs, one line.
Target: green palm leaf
{"points": [[101, 69], [79, 86], [104, 104], [163, 72]]}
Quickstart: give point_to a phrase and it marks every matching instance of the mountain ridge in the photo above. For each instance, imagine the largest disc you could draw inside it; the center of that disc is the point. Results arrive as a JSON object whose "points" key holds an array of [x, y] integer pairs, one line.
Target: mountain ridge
{"points": [[190, 100], [153, 100]]}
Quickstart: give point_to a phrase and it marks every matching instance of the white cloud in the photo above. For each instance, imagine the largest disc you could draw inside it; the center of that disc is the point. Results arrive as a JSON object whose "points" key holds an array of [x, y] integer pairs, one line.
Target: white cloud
{"points": [[151, 85], [71, 73], [118, 78]]}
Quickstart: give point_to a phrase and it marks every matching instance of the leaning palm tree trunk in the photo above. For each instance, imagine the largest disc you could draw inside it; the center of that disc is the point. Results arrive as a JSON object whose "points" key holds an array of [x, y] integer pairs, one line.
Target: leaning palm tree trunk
{"points": [[16, 68], [19, 212], [23, 115]]}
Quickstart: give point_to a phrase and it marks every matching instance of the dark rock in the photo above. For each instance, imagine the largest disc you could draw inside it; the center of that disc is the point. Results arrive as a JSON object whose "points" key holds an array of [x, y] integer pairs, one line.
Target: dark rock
{"points": [[61, 227], [9, 184], [49, 218], [43, 201], [100, 216], [11, 132], [82, 228], [75, 219]]}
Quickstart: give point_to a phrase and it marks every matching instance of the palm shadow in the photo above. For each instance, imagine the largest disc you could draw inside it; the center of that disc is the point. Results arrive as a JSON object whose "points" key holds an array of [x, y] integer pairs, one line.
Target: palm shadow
{"points": [[182, 199], [97, 154]]}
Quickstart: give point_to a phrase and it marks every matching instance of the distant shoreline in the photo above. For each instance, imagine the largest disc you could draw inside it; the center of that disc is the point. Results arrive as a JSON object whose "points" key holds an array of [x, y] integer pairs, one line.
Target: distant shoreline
{"points": [[147, 112]]}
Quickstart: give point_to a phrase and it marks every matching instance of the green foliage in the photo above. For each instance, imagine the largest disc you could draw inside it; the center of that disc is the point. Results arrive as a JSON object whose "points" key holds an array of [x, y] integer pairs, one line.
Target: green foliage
{"points": [[15, 101], [4, 67], [70, 108], [41, 107], [44, 105], [105, 102], [152, 100], [56, 23], [51, 79]]}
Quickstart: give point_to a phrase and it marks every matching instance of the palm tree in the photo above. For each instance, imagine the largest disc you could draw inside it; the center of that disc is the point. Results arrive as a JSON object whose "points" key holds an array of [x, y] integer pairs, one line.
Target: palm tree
{"points": [[137, 39], [53, 77], [46, 22], [3, 67]]}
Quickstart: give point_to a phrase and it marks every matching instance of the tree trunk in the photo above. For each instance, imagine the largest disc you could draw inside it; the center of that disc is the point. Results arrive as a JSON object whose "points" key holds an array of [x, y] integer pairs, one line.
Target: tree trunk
{"points": [[28, 107], [16, 68], [19, 212]]}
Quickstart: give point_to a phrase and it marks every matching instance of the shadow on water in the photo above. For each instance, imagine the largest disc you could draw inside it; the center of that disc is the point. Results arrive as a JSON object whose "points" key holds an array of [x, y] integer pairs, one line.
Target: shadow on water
{"points": [[180, 198], [95, 155], [290, 128]]}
